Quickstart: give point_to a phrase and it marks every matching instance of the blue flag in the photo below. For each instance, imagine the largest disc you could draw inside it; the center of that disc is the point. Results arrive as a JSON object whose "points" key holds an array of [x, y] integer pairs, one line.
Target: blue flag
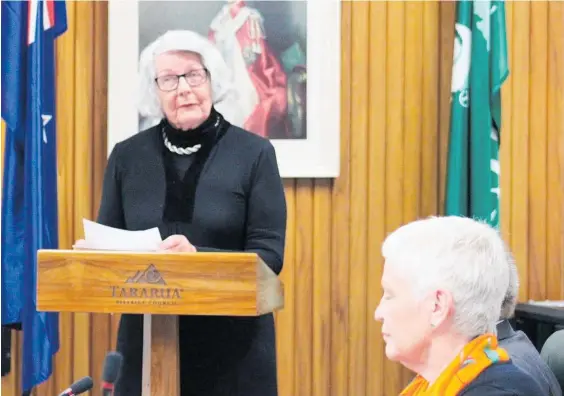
{"points": [[29, 195]]}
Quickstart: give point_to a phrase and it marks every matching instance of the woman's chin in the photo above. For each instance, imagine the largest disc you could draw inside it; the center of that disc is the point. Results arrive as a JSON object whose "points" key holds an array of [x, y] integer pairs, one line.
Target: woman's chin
{"points": [[391, 352], [190, 120]]}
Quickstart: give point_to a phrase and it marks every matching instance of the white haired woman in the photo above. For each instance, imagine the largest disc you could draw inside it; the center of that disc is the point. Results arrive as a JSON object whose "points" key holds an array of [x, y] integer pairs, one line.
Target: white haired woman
{"points": [[208, 186], [444, 280]]}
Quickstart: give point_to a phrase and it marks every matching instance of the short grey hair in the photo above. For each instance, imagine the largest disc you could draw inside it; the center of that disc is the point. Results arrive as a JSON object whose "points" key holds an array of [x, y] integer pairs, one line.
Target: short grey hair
{"points": [[182, 40], [510, 299], [464, 256]]}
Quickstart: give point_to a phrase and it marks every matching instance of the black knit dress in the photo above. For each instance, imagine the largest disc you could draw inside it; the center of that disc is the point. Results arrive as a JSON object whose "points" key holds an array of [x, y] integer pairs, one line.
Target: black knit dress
{"points": [[228, 196]]}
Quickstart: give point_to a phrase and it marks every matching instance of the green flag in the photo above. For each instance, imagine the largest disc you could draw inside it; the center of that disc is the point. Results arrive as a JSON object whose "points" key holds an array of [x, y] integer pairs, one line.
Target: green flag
{"points": [[479, 69]]}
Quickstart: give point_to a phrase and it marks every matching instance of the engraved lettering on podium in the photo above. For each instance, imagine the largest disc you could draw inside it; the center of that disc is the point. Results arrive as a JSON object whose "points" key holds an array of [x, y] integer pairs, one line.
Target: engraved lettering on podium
{"points": [[134, 292]]}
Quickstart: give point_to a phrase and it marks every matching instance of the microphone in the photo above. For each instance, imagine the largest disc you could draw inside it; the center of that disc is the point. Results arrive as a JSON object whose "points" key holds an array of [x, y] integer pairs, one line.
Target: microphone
{"points": [[112, 366], [80, 386]]}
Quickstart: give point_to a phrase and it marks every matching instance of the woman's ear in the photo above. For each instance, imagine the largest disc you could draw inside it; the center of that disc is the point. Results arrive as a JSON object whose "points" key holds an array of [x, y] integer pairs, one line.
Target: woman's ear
{"points": [[442, 306]]}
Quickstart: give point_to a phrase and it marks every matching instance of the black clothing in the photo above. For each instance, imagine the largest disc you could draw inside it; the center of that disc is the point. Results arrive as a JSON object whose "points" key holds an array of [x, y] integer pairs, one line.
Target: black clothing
{"points": [[238, 205], [525, 356], [181, 190], [503, 379]]}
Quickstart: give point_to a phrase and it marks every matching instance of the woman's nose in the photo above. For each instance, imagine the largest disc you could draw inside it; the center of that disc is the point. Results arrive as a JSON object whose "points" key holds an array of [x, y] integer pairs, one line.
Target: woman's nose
{"points": [[183, 85], [378, 314]]}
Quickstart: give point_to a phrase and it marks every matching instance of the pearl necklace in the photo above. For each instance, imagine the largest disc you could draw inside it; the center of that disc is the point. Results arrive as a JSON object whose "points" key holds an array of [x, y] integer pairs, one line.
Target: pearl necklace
{"points": [[186, 150], [179, 150]]}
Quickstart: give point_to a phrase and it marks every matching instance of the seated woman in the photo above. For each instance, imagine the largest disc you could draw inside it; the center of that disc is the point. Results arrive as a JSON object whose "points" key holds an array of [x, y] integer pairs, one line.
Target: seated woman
{"points": [[444, 280]]}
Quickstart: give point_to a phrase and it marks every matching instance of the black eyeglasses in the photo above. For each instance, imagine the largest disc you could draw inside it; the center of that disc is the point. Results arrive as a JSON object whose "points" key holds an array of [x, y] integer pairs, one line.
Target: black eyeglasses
{"points": [[193, 78]]}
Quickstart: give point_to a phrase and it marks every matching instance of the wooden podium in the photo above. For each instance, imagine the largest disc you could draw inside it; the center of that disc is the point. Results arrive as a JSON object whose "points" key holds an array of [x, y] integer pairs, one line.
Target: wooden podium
{"points": [[160, 286]]}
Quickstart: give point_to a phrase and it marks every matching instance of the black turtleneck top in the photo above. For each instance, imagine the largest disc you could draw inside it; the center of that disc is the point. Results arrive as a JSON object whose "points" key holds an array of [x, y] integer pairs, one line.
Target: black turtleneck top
{"points": [[183, 170], [207, 132]]}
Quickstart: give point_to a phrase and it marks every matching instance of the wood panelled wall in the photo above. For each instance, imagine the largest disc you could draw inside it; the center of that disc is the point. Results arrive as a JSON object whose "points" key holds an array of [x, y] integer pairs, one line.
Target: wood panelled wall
{"points": [[396, 66]]}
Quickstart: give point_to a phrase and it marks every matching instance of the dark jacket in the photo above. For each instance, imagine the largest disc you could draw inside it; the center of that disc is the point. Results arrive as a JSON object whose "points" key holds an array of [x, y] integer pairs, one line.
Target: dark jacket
{"points": [[239, 206], [503, 379], [525, 356]]}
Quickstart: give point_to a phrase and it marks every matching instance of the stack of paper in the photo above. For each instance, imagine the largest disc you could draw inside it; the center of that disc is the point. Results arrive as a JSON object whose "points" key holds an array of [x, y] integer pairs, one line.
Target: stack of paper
{"points": [[101, 237]]}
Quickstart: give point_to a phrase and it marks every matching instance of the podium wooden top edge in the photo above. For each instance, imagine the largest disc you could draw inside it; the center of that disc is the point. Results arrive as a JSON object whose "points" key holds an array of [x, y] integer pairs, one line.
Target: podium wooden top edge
{"points": [[245, 256], [146, 252]]}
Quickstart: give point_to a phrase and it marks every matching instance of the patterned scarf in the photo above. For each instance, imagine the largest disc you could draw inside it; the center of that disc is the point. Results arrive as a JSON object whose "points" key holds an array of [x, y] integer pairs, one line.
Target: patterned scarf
{"points": [[477, 355]]}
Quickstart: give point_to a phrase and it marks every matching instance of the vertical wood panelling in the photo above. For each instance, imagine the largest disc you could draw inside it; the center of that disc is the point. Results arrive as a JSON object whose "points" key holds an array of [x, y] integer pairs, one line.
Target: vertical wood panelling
{"points": [[285, 334], [303, 280], [321, 288], [100, 98], [413, 100], [430, 109], [395, 113], [285, 318], [520, 140], [341, 219], [555, 158], [537, 149], [376, 142], [358, 199], [447, 18]]}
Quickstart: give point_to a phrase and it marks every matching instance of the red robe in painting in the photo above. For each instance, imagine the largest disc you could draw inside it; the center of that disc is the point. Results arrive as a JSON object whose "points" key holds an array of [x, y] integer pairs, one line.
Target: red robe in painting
{"points": [[259, 78]]}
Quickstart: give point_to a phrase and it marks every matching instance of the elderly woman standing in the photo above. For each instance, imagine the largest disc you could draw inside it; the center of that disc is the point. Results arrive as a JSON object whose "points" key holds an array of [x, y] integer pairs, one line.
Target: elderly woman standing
{"points": [[444, 281], [208, 186]]}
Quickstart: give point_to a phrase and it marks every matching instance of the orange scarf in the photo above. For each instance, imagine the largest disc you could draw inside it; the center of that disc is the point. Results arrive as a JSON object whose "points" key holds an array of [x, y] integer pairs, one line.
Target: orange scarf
{"points": [[477, 355]]}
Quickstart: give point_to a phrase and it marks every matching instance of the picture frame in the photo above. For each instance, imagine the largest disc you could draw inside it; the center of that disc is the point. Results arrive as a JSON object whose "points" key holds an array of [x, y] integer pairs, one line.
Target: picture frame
{"points": [[313, 150]]}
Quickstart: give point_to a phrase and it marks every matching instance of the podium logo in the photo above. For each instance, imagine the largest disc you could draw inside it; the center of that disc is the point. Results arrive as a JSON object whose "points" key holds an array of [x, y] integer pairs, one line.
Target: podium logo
{"points": [[151, 275], [146, 287]]}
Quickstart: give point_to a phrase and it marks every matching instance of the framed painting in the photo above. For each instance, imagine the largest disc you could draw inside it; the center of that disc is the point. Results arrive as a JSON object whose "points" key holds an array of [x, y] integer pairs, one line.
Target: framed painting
{"points": [[285, 61]]}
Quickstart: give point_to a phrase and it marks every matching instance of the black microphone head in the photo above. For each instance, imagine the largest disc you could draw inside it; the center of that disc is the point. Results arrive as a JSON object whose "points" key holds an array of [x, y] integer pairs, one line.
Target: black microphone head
{"points": [[82, 385], [112, 366]]}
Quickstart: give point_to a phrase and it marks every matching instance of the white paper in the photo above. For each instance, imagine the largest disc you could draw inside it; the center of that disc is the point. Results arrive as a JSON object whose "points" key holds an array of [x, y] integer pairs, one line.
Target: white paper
{"points": [[100, 237]]}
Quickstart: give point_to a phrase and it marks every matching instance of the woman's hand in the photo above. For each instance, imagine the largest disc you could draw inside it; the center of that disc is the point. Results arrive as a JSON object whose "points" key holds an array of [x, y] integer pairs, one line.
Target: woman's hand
{"points": [[177, 243]]}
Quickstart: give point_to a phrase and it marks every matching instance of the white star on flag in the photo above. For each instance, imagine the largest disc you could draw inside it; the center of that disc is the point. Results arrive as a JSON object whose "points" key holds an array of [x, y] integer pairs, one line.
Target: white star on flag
{"points": [[45, 118]]}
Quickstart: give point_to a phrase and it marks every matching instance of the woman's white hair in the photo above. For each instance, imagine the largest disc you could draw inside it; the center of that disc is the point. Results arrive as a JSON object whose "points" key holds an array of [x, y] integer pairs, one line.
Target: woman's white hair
{"points": [[466, 257], [184, 40], [510, 299]]}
